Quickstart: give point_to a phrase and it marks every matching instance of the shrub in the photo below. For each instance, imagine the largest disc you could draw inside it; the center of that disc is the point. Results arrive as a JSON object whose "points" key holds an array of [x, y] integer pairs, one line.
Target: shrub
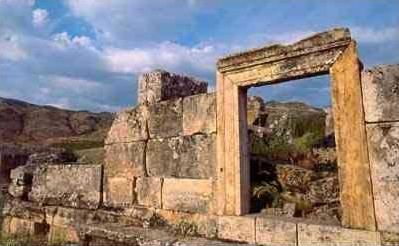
{"points": [[269, 192], [185, 228]]}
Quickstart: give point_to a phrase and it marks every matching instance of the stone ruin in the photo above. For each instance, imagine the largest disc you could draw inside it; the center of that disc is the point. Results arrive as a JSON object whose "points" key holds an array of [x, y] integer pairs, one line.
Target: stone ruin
{"points": [[179, 160]]}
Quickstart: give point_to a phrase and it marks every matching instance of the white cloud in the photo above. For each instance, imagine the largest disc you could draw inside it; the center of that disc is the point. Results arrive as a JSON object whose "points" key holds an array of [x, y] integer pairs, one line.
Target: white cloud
{"points": [[127, 23], [39, 17], [11, 49], [63, 39], [372, 35], [167, 55], [77, 85]]}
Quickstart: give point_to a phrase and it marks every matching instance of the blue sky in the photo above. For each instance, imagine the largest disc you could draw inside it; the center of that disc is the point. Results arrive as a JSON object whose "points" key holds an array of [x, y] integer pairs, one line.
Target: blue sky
{"points": [[87, 54]]}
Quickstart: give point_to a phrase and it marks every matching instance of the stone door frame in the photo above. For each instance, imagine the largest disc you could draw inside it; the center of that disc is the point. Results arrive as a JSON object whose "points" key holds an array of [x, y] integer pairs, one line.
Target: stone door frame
{"points": [[332, 52]]}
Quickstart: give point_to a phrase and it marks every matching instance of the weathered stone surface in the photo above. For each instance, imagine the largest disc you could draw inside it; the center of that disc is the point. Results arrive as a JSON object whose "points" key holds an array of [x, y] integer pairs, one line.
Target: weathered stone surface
{"points": [[292, 177], [324, 191], [199, 114], [160, 85], [59, 234], [68, 185], [330, 213], [329, 131], [51, 156], [350, 136], [119, 192], [205, 224], [323, 234], [125, 159], [21, 181], [271, 53], [288, 210], [256, 114], [187, 195], [273, 231], [129, 125], [165, 119], [10, 158], [17, 226], [185, 157], [23, 210], [114, 234], [381, 93], [237, 228], [148, 190], [383, 142], [312, 56], [388, 238]]}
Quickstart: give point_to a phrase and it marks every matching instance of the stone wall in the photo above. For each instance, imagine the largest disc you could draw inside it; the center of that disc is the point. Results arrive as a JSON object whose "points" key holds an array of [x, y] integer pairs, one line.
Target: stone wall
{"points": [[161, 154], [76, 186], [381, 103]]}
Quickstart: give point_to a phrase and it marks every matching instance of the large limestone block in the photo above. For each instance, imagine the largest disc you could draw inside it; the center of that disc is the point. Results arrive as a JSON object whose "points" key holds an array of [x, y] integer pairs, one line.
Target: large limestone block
{"points": [[237, 228], [160, 85], [184, 157], [381, 93], [129, 125], [68, 185], [187, 195], [383, 141], [119, 192], [273, 231], [125, 159], [199, 114], [166, 119], [309, 234], [148, 190]]}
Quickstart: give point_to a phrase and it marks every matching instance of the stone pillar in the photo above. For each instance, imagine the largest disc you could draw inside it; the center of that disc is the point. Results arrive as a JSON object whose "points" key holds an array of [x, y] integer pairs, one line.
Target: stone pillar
{"points": [[381, 101]]}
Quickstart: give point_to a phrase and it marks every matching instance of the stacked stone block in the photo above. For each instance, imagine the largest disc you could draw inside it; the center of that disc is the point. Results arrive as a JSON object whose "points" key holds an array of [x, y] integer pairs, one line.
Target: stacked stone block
{"points": [[160, 85], [77, 186], [161, 154], [381, 104]]}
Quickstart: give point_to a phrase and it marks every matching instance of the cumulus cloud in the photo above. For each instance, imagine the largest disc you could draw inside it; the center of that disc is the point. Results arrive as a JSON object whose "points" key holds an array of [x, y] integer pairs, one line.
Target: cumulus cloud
{"points": [[129, 23], [199, 59], [39, 17], [65, 40]]}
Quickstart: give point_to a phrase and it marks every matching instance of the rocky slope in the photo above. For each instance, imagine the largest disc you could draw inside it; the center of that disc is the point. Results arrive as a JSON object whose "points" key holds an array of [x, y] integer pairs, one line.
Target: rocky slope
{"points": [[25, 123], [293, 160]]}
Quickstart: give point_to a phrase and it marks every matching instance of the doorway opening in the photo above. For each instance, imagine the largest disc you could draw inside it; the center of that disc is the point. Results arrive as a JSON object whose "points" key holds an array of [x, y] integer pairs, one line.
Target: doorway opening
{"points": [[291, 142]]}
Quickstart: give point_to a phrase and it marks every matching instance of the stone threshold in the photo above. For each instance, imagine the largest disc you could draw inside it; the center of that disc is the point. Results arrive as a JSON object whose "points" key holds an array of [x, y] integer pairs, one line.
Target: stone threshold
{"points": [[136, 225]]}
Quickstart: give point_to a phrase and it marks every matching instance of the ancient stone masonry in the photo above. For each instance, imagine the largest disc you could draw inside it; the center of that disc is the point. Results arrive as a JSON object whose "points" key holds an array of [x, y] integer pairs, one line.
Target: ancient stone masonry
{"points": [[381, 103], [178, 164], [330, 52], [160, 85], [169, 136]]}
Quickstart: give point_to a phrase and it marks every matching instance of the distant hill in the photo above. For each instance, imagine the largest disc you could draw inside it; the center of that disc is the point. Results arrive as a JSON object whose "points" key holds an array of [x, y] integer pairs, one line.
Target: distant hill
{"points": [[25, 123]]}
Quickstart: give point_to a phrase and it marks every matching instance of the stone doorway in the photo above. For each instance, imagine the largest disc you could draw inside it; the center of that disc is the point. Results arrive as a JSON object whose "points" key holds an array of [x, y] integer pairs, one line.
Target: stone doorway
{"points": [[333, 53]]}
